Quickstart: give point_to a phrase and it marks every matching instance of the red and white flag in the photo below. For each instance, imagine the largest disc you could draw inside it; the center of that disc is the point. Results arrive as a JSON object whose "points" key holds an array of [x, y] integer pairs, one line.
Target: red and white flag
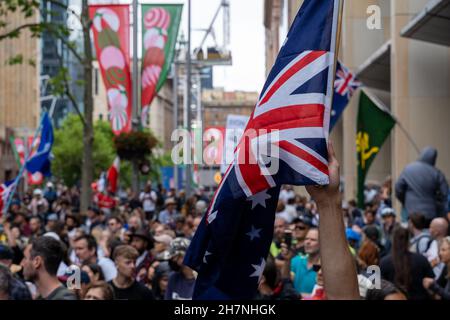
{"points": [[113, 175]]}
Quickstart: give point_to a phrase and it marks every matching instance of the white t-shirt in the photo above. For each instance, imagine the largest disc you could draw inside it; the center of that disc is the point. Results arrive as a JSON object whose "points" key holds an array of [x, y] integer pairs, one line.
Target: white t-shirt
{"points": [[108, 268], [148, 200]]}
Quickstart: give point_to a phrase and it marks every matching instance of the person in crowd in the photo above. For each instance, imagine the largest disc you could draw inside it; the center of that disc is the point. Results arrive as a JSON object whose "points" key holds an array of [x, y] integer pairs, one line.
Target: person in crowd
{"points": [[85, 248], [94, 219], [17, 289], [41, 260], [388, 225], [162, 246], [39, 205], [387, 291], [369, 219], [302, 266], [182, 280], [143, 243], [160, 279], [94, 271], [278, 236], [440, 288], [406, 269], [169, 214], [99, 290], [287, 193], [124, 285], [276, 284], [148, 198], [421, 187], [115, 226], [302, 225], [438, 231], [421, 239]]}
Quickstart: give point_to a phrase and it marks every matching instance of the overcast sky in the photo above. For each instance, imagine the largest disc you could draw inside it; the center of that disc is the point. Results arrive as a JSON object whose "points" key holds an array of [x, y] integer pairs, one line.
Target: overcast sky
{"points": [[246, 39]]}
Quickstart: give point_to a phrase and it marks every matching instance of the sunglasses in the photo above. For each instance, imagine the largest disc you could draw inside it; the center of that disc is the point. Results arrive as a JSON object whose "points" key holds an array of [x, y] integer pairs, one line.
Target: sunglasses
{"points": [[316, 267], [300, 227]]}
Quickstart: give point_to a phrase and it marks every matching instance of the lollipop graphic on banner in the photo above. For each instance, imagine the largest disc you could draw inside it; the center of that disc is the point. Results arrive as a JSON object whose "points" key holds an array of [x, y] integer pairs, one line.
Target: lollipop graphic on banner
{"points": [[118, 102], [156, 23]]}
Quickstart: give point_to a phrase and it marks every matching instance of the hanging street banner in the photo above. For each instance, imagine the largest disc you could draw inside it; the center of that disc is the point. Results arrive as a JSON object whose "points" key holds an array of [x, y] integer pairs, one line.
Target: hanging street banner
{"points": [[373, 127], [160, 24], [111, 37]]}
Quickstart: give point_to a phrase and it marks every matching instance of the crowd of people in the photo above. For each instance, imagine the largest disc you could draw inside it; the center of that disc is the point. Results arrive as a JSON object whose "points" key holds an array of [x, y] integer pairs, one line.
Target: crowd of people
{"points": [[131, 246]]}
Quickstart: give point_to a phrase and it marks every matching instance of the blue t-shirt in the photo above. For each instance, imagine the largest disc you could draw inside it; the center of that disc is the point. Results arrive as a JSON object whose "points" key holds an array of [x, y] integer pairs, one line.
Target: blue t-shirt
{"points": [[305, 278], [179, 288]]}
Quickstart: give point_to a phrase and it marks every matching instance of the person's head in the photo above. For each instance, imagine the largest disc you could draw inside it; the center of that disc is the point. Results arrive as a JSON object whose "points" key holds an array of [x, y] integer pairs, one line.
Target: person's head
{"points": [[125, 259], [369, 215], [134, 223], [37, 194], [368, 254], [416, 222], [312, 242], [444, 250], [85, 248], [401, 258], [99, 291], [6, 255], [372, 233], [5, 282], [170, 204], [279, 227], [71, 222], [270, 274], [319, 277], [438, 228], [387, 291], [280, 206], [428, 155], [162, 243], [388, 216], [42, 257], [35, 225], [301, 228], [94, 271], [141, 241], [114, 224], [93, 213]]}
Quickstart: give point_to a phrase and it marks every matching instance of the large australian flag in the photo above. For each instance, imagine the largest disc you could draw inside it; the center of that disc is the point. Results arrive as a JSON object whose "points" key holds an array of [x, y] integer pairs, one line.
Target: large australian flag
{"points": [[232, 242]]}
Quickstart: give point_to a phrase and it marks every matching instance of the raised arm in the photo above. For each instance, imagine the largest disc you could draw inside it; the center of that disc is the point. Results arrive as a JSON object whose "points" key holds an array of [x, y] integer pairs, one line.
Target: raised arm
{"points": [[338, 266]]}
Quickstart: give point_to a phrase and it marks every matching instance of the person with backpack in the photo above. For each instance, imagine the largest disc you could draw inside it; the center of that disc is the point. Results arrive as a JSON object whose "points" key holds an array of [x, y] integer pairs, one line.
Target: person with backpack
{"points": [[421, 238]]}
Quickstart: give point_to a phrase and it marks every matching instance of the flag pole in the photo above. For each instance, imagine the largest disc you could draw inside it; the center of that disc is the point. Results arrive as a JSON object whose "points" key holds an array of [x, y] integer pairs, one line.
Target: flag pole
{"points": [[22, 168], [336, 53]]}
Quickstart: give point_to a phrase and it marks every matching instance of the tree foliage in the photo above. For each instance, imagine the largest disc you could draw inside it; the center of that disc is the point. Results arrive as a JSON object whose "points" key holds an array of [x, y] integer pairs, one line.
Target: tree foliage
{"points": [[68, 149]]}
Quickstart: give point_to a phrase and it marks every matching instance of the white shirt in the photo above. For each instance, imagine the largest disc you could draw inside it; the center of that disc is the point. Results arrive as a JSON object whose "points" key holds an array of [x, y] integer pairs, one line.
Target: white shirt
{"points": [[108, 268], [148, 200]]}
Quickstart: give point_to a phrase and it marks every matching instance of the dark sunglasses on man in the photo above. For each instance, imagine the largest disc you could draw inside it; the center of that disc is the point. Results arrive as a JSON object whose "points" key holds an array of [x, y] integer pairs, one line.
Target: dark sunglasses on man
{"points": [[316, 267]]}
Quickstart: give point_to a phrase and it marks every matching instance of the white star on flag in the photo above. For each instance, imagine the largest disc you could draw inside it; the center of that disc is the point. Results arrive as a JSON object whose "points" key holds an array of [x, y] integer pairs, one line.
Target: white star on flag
{"points": [[204, 257], [259, 269], [254, 233], [212, 216], [259, 198]]}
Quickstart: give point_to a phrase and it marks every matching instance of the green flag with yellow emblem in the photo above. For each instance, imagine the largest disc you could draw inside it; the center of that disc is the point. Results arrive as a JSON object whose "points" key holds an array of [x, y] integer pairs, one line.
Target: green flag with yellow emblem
{"points": [[373, 127]]}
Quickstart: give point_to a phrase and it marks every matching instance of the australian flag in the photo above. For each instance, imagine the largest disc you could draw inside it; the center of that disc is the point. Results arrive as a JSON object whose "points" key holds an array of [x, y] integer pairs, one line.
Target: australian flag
{"points": [[292, 116], [40, 161], [345, 85]]}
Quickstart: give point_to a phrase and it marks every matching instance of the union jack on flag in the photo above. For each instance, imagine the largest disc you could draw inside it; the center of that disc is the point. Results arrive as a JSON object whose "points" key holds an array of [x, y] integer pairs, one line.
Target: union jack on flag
{"points": [[345, 86], [5, 190], [292, 117]]}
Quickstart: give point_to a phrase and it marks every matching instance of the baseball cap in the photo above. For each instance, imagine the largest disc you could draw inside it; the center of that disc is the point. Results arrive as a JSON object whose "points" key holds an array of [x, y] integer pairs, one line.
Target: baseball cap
{"points": [[179, 246], [352, 235], [387, 212], [52, 217]]}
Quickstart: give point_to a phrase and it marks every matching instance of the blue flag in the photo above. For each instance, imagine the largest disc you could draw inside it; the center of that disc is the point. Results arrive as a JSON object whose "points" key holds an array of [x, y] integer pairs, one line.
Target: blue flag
{"points": [[345, 85], [233, 239], [40, 161]]}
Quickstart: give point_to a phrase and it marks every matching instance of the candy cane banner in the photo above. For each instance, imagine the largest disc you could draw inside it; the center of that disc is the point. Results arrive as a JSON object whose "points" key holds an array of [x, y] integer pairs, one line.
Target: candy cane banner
{"points": [[19, 152], [111, 36], [160, 24]]}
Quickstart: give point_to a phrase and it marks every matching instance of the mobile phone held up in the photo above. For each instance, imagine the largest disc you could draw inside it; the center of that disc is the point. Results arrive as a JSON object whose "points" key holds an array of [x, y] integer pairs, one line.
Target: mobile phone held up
{"points": [[288, 238]]}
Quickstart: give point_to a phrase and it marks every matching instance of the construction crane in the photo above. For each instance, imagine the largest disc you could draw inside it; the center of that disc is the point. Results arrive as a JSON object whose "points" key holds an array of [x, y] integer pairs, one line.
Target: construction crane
{"points": [[220, 54]]}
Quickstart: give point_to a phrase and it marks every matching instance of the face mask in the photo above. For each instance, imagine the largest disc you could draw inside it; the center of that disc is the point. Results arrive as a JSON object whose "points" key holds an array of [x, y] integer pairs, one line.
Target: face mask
{"points": [[174, 265]]}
